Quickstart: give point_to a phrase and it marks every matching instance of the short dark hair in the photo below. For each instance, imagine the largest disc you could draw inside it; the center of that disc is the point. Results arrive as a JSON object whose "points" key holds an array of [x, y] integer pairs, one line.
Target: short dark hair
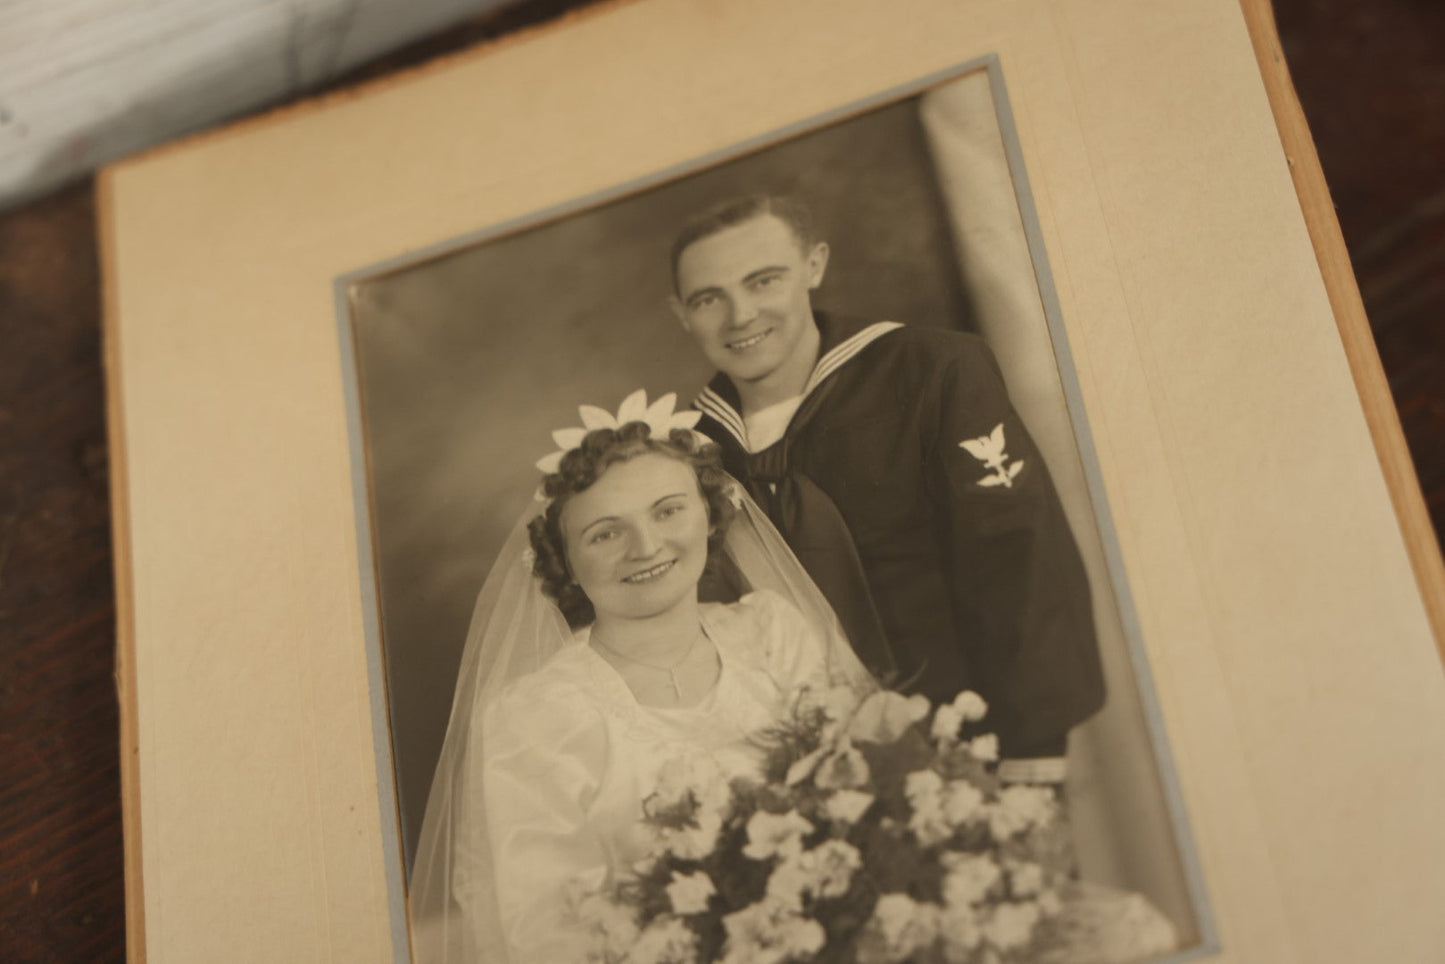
{"points": [[581, 467], [735, 211]]}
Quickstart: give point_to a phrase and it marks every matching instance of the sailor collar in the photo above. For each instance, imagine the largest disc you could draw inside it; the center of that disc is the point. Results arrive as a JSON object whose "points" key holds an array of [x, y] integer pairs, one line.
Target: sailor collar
{"points": [[841, 342]]}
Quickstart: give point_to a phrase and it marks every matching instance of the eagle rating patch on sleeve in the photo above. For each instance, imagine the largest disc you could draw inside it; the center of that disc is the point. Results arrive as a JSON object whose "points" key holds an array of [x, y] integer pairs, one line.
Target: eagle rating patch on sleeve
{"points": [[989, 449]]}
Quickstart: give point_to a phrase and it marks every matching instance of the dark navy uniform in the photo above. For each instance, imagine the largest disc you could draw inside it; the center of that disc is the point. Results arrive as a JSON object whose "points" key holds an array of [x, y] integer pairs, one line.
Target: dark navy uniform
{"points": [[912, 493]]}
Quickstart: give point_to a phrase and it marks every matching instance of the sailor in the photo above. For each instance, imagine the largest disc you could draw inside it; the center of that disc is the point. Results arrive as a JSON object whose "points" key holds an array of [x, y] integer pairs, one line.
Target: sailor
{"points": [[892, 461]]}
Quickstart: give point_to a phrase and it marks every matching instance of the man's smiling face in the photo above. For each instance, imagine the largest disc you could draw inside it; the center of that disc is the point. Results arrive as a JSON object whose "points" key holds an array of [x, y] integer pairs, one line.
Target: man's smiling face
{"points": [[743, 295]]}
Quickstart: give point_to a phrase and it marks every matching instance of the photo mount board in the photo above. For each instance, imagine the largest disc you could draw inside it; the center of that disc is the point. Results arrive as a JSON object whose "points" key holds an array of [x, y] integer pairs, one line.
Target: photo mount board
{"points": [[173, 315]]}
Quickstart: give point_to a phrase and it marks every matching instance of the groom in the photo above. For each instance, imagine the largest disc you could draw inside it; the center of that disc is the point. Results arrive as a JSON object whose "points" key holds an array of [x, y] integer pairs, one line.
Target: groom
{"points": [[894, 464]]}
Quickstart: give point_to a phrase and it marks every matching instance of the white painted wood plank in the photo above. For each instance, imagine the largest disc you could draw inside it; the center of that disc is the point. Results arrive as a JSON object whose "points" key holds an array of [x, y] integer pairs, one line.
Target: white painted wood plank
{"points": [[83, 82]]}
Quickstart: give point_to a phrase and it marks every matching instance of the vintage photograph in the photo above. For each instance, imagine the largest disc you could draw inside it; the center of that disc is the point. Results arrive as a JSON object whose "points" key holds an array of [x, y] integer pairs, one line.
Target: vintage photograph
{"points": [[745, 584]]}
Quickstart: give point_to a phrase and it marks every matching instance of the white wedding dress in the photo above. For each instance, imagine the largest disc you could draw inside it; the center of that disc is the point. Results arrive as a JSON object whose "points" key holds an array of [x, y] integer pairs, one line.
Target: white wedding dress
{"points": [[572, 755]]}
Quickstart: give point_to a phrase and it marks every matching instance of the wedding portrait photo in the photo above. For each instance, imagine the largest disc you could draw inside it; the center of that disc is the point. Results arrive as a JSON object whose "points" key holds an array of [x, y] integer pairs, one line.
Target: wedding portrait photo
{"points": [[744, 586]]}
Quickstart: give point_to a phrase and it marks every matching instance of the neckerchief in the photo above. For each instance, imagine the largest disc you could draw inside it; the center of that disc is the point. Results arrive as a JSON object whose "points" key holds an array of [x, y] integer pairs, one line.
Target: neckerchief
{"points": [[805, 515]]}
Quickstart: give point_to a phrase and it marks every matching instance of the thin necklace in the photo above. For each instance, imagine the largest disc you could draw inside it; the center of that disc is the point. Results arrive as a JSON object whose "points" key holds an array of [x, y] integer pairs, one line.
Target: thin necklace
{"points": [[671, 670]]}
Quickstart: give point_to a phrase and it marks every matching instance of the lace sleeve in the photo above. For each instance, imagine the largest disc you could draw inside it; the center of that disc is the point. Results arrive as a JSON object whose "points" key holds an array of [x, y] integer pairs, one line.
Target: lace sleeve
{"points": [[791, 649], [545, 749]]}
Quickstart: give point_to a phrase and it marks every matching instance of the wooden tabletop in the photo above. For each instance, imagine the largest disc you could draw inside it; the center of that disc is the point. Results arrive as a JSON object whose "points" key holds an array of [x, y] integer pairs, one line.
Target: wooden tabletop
{"points": [[1370, 75]]}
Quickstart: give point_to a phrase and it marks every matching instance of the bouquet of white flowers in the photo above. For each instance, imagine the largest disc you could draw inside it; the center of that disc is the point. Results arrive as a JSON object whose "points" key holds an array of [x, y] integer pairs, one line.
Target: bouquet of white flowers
{"points": [[877, 833]]}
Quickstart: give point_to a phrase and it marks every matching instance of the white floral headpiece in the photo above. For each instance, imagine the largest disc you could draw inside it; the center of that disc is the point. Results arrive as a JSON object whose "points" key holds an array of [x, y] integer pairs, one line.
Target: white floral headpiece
{"points": [[660, 417]]}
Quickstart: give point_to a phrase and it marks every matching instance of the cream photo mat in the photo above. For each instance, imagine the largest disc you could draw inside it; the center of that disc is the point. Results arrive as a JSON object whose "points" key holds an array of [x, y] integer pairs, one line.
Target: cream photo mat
{"points": [[1219, 397]]}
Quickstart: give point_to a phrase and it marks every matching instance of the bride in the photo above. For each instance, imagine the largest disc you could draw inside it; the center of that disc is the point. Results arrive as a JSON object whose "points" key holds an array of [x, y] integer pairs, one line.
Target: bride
{"points": [[591, 661]]}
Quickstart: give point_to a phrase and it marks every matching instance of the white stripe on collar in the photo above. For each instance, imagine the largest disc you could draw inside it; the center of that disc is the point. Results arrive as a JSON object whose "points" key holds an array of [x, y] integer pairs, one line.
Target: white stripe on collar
{"points": [[730, 419], [711, 403], [840, 353]]}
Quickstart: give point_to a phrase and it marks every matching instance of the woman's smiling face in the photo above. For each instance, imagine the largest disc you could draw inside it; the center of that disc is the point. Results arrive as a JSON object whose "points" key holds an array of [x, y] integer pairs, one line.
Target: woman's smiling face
{"points": [[636, 540]]}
